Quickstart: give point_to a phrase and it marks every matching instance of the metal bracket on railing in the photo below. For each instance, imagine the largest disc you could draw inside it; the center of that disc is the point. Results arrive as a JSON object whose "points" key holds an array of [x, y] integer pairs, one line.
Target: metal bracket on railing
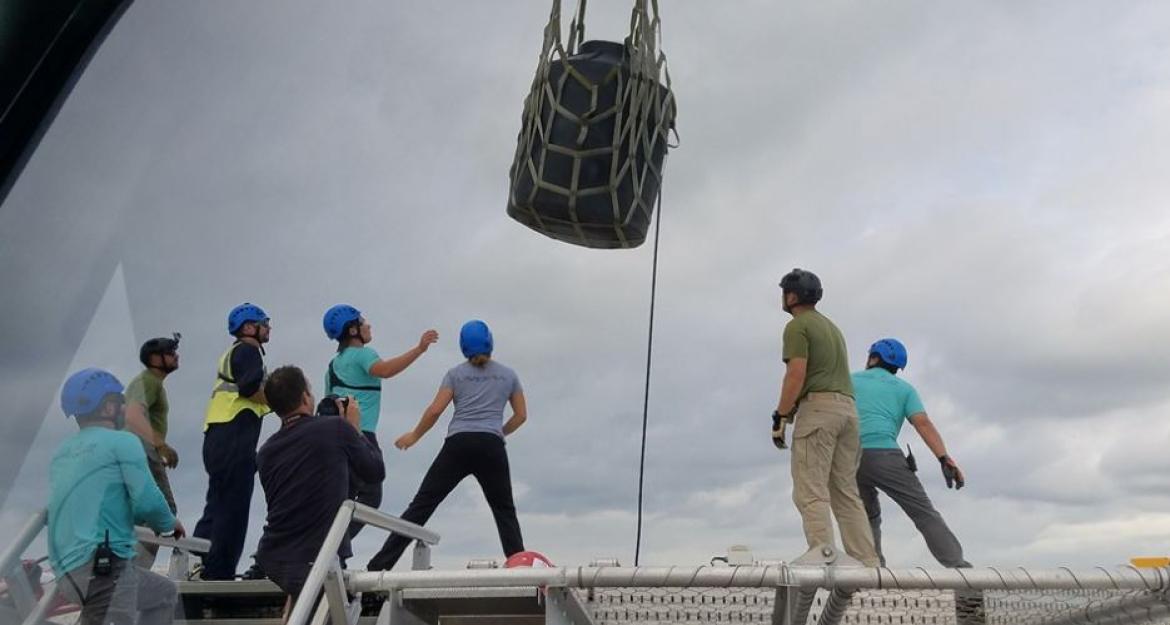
{"points": [[181, 550], [421, 558], [562, 607], [793, 604], [395, 613]]}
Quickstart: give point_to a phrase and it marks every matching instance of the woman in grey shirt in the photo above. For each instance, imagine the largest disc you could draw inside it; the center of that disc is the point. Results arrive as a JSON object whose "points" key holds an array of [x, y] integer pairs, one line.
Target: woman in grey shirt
{"points": [[480, 387]]}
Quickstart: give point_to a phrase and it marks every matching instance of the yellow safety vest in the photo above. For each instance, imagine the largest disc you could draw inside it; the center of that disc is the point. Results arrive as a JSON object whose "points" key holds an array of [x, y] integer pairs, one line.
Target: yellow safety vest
{"points": [[226, 401]]}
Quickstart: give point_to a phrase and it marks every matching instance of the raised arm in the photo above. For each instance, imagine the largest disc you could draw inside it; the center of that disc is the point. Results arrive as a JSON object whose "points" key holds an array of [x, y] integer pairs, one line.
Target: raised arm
{"points": [[391, 367], [429, 417]]}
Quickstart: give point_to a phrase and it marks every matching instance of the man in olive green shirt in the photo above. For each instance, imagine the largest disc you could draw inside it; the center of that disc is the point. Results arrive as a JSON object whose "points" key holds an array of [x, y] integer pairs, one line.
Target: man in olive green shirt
{"points": [[147, 409], [817, 397]]}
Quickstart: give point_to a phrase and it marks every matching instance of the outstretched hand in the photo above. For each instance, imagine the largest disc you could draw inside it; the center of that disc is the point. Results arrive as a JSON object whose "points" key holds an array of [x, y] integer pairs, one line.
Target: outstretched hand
{"points": [[428, 338], [406, 441], [952, 473]]}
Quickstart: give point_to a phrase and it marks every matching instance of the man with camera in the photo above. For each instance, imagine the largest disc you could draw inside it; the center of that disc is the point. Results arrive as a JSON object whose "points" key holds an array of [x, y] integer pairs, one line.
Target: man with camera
{"points": [[99, 488], [305, 471]]}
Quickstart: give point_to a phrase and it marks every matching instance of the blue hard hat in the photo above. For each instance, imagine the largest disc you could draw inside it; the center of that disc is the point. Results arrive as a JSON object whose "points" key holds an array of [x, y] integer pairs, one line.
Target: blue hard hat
{"points": [[243, 314], [337, 317], [890, 351], [84, 391], [475, 338]]}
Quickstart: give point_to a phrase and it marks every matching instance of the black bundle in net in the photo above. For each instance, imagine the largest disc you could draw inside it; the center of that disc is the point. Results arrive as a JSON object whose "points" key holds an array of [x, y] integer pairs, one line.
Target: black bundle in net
{"points": [[594, 134]]}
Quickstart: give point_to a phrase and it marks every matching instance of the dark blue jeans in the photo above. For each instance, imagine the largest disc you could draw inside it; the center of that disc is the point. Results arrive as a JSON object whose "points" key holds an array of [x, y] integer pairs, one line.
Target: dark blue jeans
{"points": [[229, 457]]}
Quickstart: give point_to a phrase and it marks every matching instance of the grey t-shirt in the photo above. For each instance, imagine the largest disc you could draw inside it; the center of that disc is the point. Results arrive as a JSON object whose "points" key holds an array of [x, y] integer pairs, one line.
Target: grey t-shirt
{"points": [[480, 396]]}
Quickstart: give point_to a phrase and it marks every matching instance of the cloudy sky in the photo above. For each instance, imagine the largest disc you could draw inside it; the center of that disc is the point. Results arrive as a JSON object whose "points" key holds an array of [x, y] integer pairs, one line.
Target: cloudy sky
{"points": [[984, 181]]}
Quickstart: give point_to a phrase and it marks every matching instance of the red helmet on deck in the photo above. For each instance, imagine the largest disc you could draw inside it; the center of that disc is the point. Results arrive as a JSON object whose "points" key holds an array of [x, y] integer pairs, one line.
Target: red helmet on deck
{"points": [[532, 559]]}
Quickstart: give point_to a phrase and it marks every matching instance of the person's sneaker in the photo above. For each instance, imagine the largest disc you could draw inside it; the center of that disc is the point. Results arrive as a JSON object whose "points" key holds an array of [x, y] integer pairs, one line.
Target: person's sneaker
{"points": [[254, 572]]}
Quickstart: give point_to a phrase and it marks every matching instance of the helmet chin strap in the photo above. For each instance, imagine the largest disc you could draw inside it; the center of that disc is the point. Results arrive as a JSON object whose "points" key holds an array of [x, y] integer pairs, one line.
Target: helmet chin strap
{"points": [[256, 337], [165, 368]]}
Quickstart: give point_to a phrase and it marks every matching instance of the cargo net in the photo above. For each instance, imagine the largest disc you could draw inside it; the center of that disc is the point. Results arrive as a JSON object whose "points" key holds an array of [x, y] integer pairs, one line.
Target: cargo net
{"points": [[614, 606], [594, 134]]}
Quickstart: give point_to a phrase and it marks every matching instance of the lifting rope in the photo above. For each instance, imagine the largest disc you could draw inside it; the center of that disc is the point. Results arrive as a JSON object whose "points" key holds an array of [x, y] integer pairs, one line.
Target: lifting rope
{"points": [[646, 391]]}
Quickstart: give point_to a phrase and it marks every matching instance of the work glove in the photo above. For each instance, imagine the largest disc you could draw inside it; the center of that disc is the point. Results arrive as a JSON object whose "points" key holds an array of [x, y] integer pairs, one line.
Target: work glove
{"points": [[779, 424], [951, 472], [170, 457]]}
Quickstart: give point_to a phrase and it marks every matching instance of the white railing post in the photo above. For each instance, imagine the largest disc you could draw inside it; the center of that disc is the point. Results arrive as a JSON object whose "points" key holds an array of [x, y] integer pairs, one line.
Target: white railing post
{"points": [[15, 549], [303, 608], [335, 594], [326, 571], [37, 615]]}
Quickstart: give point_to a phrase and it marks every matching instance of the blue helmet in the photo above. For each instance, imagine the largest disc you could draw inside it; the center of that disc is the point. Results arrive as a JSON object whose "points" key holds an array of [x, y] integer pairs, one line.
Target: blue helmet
{"points": [[337, 317], [84, 391], [890, 351], [243, 314], [475, 338]]}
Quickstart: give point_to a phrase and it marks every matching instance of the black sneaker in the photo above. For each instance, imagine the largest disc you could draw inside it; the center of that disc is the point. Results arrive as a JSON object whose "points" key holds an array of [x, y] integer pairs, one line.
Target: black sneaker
{"points": [[254, 571]]}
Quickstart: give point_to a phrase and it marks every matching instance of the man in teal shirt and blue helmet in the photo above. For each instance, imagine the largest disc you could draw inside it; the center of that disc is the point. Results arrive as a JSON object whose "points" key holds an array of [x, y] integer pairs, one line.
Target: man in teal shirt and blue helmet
{"points": [[358, 371], [99, 488], [884, 403]]}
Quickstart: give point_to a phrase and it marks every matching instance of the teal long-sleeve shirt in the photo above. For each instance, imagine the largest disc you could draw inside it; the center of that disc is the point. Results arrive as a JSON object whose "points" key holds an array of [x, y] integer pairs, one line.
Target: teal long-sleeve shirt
{"points": [[99, 481]]}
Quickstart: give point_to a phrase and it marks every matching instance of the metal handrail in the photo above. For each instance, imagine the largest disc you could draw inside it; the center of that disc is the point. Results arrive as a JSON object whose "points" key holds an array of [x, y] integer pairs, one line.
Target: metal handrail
{"points": [[327, 561], [372, 516], [27, 534], [189, 544], [36, 522], [1122, 578]]}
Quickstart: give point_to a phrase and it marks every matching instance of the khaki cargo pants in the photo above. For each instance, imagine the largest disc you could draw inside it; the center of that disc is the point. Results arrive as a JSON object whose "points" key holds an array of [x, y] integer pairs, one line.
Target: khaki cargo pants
{"points": [[826, 451]]}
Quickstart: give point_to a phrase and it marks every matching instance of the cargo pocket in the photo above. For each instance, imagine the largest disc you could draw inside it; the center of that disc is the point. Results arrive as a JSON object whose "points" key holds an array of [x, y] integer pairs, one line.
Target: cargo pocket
{"points": [[812, 452]]}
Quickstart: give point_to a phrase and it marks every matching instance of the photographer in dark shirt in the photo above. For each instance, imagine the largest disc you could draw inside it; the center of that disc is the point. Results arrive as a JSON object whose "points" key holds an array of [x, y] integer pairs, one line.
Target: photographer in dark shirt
{"points": [[305, 470]]}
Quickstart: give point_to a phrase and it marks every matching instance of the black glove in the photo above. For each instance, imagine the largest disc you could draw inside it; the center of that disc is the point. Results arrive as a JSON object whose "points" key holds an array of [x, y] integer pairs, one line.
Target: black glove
{"points": [[911, 463], [779, 422], [951, 473]]}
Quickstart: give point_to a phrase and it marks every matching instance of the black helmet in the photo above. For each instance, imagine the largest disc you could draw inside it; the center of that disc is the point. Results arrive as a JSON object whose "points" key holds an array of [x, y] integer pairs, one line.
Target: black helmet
{"points": [[158, 346], [805, 284]]}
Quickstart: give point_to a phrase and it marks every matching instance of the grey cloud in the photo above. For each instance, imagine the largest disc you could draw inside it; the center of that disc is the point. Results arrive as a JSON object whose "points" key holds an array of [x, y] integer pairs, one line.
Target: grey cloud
{"points": [[920, 158]]}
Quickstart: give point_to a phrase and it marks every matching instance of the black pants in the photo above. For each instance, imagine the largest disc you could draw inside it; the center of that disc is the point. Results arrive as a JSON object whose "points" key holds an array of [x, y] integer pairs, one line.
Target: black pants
{"points": [[477, 454], [368, 493], [229, 456]]}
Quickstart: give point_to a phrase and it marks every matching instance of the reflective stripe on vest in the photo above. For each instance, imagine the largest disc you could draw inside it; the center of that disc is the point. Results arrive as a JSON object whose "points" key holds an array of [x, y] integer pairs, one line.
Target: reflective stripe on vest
{"points": [[226, 401]]}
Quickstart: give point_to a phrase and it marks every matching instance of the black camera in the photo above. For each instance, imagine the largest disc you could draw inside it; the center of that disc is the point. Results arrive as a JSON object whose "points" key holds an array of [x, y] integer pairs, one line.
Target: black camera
{"points": [[327, 407]]}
